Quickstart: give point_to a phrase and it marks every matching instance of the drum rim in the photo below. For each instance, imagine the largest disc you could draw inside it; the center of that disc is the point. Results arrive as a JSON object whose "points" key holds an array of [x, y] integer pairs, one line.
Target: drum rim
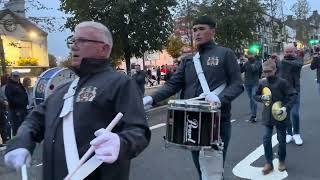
{"points": [[188, 147], [194, 109]]}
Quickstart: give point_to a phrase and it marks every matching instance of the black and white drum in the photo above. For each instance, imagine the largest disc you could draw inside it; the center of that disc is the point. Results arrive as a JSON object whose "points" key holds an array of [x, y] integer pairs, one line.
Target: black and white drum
{"points": [[192, 124], [49, 80]]}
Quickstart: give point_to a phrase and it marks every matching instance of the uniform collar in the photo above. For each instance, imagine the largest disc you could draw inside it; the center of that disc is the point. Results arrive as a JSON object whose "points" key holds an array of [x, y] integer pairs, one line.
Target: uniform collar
{"points": [[209, 45], [272, 79], [91, 66]]}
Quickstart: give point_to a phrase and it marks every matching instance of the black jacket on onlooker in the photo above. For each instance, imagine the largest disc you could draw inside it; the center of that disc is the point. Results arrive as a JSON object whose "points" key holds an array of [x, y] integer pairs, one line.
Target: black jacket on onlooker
{"points": [[290, 70], [16, 95], [315, 64], [251, 71], [140, 78]]}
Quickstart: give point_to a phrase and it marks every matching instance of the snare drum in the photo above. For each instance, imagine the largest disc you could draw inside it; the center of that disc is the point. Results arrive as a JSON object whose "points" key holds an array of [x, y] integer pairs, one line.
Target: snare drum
{"points": [[49, 80], [192, 124]]}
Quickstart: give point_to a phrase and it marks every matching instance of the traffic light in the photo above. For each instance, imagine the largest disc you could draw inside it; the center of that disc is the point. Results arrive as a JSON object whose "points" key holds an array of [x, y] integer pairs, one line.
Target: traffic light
{"points": [[314, 42], [254, 49]]}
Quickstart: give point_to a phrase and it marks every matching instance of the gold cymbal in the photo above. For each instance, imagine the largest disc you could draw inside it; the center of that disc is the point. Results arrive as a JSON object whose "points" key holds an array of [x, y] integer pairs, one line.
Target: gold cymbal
{"points": [[267, 92], [275, 108]]}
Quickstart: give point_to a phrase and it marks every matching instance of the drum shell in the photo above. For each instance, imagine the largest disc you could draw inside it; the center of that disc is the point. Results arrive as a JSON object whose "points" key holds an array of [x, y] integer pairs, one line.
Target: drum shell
{"points": [[192, 127]]}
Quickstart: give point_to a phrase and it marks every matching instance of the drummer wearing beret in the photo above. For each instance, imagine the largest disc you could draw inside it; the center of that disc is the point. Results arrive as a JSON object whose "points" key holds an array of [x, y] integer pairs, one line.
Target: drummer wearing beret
{"points": [[278, 97], [219, 65]]}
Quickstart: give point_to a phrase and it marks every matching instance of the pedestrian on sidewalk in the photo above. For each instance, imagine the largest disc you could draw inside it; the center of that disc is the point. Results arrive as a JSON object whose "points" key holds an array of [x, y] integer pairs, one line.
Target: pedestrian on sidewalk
{"points": [[158, 75], [17, 100], [251, 80], [140, 78], [315, 64], [283, 92], [290, 70], [5, 134], [220, 66]]}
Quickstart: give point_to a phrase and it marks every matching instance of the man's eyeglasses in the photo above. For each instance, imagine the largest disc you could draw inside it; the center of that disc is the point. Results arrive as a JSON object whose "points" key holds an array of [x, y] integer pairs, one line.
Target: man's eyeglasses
{"points": [[80, 41]]}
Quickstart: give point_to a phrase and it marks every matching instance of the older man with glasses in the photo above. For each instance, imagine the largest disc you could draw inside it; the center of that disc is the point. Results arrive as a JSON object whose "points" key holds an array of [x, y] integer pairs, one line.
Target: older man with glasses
{"points": [[290, 70], [73, 118]]}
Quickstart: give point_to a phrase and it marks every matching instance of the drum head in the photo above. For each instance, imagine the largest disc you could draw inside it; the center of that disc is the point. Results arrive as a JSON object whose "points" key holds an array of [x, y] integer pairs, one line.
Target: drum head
{"points": [[49, 81]]}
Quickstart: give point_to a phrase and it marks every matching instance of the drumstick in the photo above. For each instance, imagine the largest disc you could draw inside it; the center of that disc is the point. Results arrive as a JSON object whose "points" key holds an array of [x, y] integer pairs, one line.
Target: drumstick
{"points": [[91, 149]]}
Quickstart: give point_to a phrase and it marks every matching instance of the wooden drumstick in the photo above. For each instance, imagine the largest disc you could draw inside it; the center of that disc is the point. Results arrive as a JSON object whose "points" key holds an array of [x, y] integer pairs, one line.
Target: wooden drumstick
{"points": [[84, 158]]}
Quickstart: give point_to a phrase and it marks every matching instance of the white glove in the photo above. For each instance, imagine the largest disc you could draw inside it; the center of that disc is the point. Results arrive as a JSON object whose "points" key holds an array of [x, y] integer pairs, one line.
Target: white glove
{"points": [[213, 99], [282, 110], [107, 145], [265, 98], [147, 100], [17, 158]]}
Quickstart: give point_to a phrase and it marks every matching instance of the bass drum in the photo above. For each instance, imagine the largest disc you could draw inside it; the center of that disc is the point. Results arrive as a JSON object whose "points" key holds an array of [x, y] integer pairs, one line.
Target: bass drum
{"points": [[50, 80]]}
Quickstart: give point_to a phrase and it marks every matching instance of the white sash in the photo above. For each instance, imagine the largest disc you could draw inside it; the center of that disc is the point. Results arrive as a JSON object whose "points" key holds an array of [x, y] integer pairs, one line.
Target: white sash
{"points": [[69, 139], [202, 78]]}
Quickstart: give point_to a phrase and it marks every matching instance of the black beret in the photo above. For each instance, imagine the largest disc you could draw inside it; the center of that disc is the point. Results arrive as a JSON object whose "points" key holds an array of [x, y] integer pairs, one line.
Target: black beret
{"points": [[205, 19]]}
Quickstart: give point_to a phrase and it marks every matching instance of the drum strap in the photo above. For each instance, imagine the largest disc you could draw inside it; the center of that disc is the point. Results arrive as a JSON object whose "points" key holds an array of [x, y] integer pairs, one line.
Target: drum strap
{"points": [[202, 78], [200, 74], [69, 139]]}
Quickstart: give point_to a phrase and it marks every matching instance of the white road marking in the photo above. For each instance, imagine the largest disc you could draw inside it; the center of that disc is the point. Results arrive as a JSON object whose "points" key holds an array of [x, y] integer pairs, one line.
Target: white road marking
{"points": [[233, 120], [24, 174], [244, 169], [39, 165], [157, 126]]}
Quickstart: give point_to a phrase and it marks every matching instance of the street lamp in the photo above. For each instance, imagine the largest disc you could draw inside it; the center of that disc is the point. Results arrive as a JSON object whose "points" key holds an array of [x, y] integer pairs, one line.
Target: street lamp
{"points": [[33, 35]]}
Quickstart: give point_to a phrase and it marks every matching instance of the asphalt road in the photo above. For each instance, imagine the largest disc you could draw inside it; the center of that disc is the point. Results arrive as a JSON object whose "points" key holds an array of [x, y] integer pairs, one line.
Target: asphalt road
{"points": [[160, 163]]}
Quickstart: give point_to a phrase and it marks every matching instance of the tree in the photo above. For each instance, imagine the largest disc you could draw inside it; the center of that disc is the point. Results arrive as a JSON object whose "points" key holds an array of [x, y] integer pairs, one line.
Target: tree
{"points": [[237, 21], [301, 9], [189, 10], [52, 61], [174, 46], [66, 62], [137, 25]]}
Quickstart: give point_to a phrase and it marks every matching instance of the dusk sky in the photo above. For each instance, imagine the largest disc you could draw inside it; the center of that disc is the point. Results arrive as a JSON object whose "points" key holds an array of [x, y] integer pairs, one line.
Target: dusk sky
{"points": [[56, 41]]}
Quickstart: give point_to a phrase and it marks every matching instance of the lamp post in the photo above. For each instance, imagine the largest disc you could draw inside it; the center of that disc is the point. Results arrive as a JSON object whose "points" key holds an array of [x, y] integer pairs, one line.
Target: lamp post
{"points": [[2, 57]]}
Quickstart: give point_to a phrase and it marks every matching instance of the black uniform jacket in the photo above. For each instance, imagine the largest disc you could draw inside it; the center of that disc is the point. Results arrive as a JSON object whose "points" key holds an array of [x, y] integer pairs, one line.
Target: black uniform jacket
{"points": [[290, 70], [315, 64], [101, 93], [252, 72], [219, 65], [281, 91]]}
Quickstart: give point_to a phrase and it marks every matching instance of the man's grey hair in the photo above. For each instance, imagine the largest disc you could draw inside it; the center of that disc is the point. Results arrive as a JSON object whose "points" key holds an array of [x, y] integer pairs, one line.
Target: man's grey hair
{"points": [[105, 33]]}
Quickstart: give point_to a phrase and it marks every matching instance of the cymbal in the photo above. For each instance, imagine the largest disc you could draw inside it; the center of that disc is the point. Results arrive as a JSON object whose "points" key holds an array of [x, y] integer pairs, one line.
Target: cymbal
{"points": [[274, 110]]}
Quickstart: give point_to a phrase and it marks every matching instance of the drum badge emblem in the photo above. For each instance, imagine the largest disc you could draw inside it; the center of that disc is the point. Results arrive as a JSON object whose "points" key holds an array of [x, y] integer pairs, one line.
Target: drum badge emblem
{"points": [[86, 94], [191, 124], [213, 61]]}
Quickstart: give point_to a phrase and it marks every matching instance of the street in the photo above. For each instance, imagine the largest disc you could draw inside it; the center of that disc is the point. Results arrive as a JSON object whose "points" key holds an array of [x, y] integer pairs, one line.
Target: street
{"points": [[159, 163]]}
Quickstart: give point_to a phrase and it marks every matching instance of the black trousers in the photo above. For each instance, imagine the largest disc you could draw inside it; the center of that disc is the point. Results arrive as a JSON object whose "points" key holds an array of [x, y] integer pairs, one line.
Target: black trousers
{"points": [[5, 129], [16, 117]]}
